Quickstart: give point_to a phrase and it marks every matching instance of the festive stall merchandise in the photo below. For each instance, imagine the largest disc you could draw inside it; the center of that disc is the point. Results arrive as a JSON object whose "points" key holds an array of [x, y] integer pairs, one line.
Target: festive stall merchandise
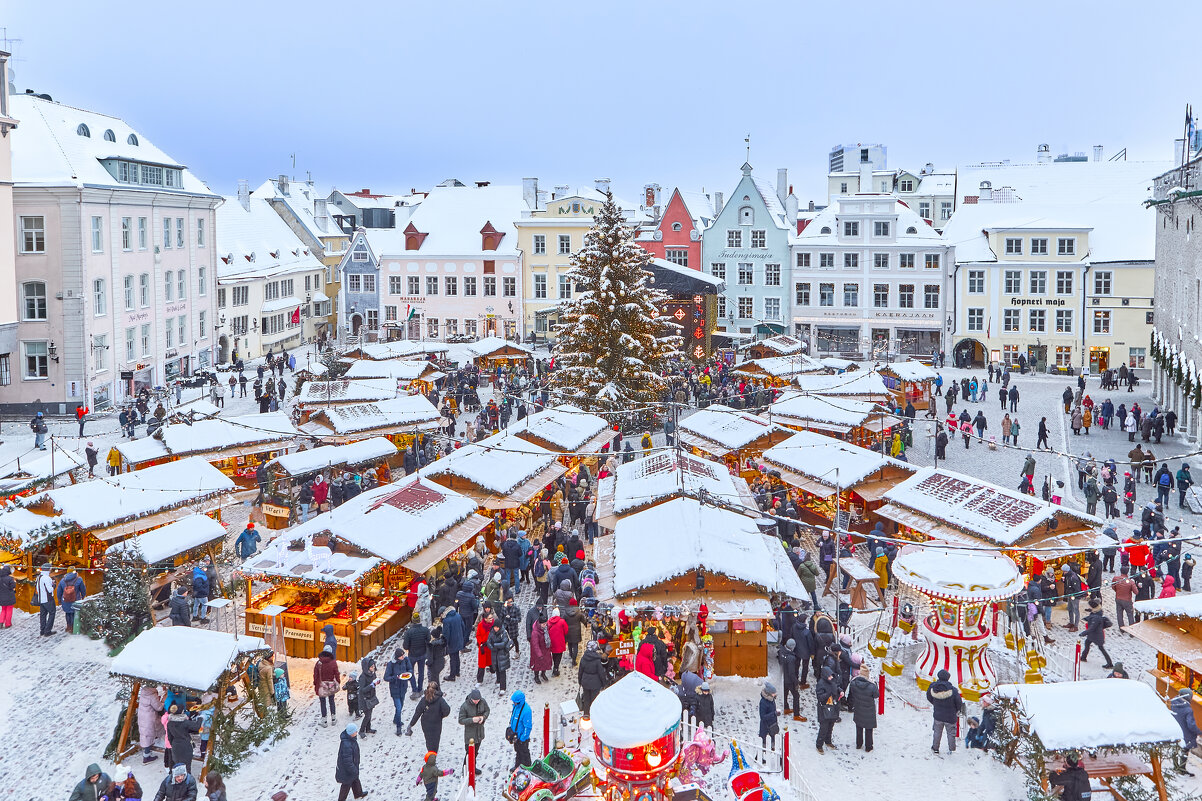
{"points": [[729, 435], [290, 472], [863, 385], [28, 474], [779, 345], [778, 371], [858, 422], [410, 375], [565, 429], [1173, 626], [636, 739], [398, 420], [70, 527], [961, 587], [343, 391], [169, 552], [663, 476]]}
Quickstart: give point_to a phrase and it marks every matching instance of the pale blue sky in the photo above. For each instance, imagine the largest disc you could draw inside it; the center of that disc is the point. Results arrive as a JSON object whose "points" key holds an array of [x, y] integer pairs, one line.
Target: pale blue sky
{"points": [[393, 95]]}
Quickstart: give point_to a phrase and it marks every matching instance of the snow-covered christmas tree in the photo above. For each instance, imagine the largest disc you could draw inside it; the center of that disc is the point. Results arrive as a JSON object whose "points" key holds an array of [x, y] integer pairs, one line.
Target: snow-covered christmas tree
{"points": [[614, 345], [123, 610]]}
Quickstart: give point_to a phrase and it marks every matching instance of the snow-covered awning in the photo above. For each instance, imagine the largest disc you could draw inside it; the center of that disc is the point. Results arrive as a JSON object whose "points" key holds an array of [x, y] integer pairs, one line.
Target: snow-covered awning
{"points": [[669, 474], [1080, 715], [171, 540], [502, 468], [343, 390], [833, 463], [314, 563], [304, 463], [634, 711], [562, 428], [179, 656]]}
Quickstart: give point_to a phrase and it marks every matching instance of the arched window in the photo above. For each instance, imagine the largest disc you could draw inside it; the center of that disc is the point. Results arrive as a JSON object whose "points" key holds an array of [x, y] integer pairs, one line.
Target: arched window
{"points": [[131, 140], [82, 130], [746, 215], [109, 136], [911, 230], [676, 226], [826, 229]]}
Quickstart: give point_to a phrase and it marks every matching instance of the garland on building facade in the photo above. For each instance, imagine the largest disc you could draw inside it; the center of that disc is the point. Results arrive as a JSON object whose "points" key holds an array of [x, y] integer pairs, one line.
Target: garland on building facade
{"points": [[1183, 372]]}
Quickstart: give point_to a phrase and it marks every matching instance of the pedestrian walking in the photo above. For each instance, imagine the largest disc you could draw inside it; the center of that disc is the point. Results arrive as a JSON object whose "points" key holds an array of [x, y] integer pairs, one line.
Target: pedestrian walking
{"points": [[431, 710], [518, 731], [1096, 624], [346, 770], [946, 706], [473, 712], [863, 692]]}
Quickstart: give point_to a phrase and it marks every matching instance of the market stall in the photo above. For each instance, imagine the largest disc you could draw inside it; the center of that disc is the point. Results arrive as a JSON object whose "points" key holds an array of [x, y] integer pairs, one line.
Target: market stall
{"points": [[862, 423], [492, 352], [425, 350], [289, 473], [862, 385], [661, 477], [1173, 626], [169, 552], [837, 365], [399, 420], [909, 381], [410, 375], [344, 391], [678, 559], [34, 472], [778, 371], [71, 527], [567, 430], [729, 435], [779, 345]]}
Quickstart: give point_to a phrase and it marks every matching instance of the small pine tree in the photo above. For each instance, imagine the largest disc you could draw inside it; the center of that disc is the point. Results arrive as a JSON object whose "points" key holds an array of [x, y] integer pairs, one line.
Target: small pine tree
{"points": [[124, 608], [614, 346]]}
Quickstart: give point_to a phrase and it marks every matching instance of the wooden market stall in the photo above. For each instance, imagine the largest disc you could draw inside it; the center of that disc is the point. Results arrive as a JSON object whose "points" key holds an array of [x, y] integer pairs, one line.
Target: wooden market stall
{"points": [[682, 554], [194, 662], [661, 477], [70, 528], [1106, 722], [344, 391], [399, 420], [410, 375], [32, 473], [351, 567], [426, 350], [779, 345], [729, 436], [290, 472], [837, 365], [826, 477], [491, 352], [234, 445], [196, 409], [862, 385], [169, 553], [1173, 626], [858, 422], [778, 371], [567, 430], [909, 381]]}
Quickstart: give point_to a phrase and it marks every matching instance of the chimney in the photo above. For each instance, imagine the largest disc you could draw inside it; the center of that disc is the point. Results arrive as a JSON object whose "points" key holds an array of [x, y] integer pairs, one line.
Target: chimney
{"points": [[321, 214], [782, 184], [1097, 152], [602, 185], [811, 206], [282, 184], [865, 176], [244, 194], [561, 192], [985, 193], [791, 207], [530, 193], [1043, 154], [718, 202]]}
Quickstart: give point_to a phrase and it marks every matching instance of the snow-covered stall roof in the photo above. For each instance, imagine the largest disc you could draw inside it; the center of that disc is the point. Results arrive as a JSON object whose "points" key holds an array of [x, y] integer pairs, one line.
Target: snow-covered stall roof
{"points": [[909, 370], [829, 461], [782, 344], [566, 427], [23, 473], [835, 363], [394, 521], [1079, 715], [860, 383], [780, 366], [400, 349], [192, 410], [829, 412], [488, 346], [960, 574], [172, 539], [728, 427], [634, 711], [180, 656], [303, 463], [668, 473], [221, 433], [313, 563], [1180, 606], [499, 464], [397, 369], [409, 412], [146, 449], [674, 538], [348, 390]]}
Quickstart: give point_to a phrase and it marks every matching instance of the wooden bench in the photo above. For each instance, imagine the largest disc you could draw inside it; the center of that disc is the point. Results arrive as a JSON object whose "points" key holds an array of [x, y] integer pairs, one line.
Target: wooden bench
{"points": [[860, 576]]}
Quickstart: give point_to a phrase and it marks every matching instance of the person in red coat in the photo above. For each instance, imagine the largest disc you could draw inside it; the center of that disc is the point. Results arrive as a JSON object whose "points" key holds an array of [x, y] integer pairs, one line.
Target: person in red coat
{"points": [[644, 662], [557, 631], [1140, 554], [484, 653], [327, 679], [321, 491]]}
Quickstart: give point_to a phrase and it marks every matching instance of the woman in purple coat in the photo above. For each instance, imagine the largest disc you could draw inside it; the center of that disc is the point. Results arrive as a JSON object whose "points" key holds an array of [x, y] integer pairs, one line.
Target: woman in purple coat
{"points": [[540, 649]]}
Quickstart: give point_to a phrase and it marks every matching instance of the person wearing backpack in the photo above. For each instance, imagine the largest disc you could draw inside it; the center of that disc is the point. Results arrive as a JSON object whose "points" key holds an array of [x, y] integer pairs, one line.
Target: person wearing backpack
{"points": [[1073, 779], [200, 594], [70, 591], [1164, 484], [1096, 624], [541, 580]]}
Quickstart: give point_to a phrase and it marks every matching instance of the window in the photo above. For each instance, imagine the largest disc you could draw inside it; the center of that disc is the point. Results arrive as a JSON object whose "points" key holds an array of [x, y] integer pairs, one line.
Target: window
{"points": [[1010, 319], [144, 291], [759, 239], [771, 275], [1039, 246], [826, 294], [414, 285], [241, 296], [1064, 321], [565, 287], [905, 296], [200, 232], [746, 274], [309, 281], [359, 254], [734, 239], [490, 286], [1066, 246], [221, 297], [127, 233], [851, 261], [826, 229], [169, 285], [1148, 318], [202, 327], [1012, 280], [181, 284], [131, 339], [851, 229], [880, 261], [905, 261], [976, 282], [746, 215], [945, 210], [100, 353], [677, 256], [166, 233], [771, 308], [1039, 282], [469, 285], [169, 327], [1014, 246], [802, 294], [930, 296], [240, 325], [746, 307], [37, 361], [911, 230], [82, 130], [509, 287], [179, 232], [100, 304], [826, 260], [1135, 358], [843, 187], [145, 336], [1064, 282], [1101, 322], [390, 314], [452, 285], [924, 209], [905, 185], [976, 319], [394, 285], [373, 319], [880, 296], [97, 234], [540, 285], [676, 226], [803, 259], [540, 244], [721, 305], [1101, 282], [6, 376], [34, 293], [469, 326], [932, 261], [431, 285], [565, 244], [880, 228], [142, 234], [202, 284], [1010, 354], [369, 285], [851, 295], [1037, 321], [718, 270], [127, 285], [1064, 356]]}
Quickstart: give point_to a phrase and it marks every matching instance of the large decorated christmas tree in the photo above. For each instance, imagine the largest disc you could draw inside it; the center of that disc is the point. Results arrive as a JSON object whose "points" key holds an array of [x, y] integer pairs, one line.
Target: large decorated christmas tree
{"points": [[614, 345]]}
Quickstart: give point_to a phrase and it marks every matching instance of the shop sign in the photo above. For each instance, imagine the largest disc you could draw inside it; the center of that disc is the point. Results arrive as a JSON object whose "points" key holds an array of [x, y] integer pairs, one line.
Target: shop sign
{"points": [[745, 255], [625, 648], [292, 634], [1038, 302], [276, 511]]}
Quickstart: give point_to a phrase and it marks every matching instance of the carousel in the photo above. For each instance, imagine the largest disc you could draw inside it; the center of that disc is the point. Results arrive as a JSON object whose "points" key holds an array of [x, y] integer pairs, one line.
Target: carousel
{"points": [[636, 739]]}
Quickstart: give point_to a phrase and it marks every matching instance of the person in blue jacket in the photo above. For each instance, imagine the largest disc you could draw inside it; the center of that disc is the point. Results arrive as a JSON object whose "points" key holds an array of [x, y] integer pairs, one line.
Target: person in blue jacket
{"points": [[456, 636], [247, 542], [520, 724], [200, 594], [399, 666], [1183, 710]]}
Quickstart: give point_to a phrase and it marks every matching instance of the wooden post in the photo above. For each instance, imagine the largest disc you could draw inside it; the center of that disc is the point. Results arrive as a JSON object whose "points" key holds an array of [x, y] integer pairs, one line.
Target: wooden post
{"points": [[213, 556], [1158, 775], [130, 711]]}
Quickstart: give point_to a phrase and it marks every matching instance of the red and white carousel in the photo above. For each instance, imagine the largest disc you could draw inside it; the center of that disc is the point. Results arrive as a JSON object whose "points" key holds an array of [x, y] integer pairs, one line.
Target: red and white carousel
{"points": [[636, 739]]}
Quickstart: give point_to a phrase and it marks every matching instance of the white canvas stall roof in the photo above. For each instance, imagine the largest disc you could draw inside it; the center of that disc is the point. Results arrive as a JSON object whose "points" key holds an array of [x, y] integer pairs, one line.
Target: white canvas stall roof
{"points": [[977, 507], [172, 539], [220, 433], [499, 464], [565, 426], [180, 656], [343, 390], [394, 521], [396, 369], [674, 538], [313, 563], [303, 463], [1093, 714], [413, 412], [25, 472], [860, 383], [782, 366], [634, 711], [835, 363], [490, 345], [960, 574], [1180, 606], [667, 473], [728, 427], [908, 371], [837, 413], [829, 461]]}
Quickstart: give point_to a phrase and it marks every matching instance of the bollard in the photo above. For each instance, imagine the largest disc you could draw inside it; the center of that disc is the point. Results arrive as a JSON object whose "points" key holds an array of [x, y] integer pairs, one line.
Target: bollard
{"points": [[546, 729], [895, 610], [785, 758], [1077, 663], [471, 765], [880, 698]]}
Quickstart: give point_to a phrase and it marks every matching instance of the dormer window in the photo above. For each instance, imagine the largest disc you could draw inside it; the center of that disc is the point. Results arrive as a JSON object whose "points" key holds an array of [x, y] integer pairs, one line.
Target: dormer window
{"points": [[414, 237], [82, 130], [911, 230], [746, 215], [109, 136], [676, 226], [826, 229], [131, 140], [490, 237]]}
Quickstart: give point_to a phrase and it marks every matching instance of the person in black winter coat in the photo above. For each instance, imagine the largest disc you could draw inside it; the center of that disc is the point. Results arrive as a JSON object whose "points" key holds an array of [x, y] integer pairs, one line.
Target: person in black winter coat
{"points": [[181, 612], [982, 736], [822, 630], [510, 614], [456, 636], [416, 643], [180, 728], [8, 596], [465, 599], [863, 693], [827, 695], [946, 705], [498, 644], [437, 656], [787, 656], [1183, 711], [803, 640], [703, 706], [1073, 779], [769, 719], [346, 769], [591, 675], [368, 700], [431, 710], [1096, 624]]}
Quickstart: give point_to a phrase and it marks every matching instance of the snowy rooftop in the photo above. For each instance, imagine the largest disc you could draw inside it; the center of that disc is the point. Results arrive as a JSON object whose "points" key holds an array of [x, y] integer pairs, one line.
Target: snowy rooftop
{"points": [[180, 656], [634, 711], [782, 344], [829, 461], [566, 427], [960, 574], [172, 539], [23, 472], [909, 370], [303, 463], [861, 383], [835, 363], [499, 464], [923, 234], [259, 243], [408, 410], [219, 433], [771, 203], [343, 390], [192, 410], [489, 345], [453, 217], [836, 411], [783, 366], [730, 428], [668, 473], [402, 348], [299, 197], [1180, 606], [313, 563], [395, 369], [674, 538], [700, 206], [1095, 713]]}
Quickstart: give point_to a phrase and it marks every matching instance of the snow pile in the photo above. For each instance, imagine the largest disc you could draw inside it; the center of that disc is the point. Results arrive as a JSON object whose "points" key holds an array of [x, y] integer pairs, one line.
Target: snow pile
{"points": [[499, 464], [1093, 714], [303, 463], [967, 575], [634, 711], [24, 473], [667, 474], [730, 428], [1180, 606], [179, 656], [681, 535], [397, 369], [829, 461], [409, 410], [846, 385], [359, 390], [219, 433], [565, 426], [172, 539]]}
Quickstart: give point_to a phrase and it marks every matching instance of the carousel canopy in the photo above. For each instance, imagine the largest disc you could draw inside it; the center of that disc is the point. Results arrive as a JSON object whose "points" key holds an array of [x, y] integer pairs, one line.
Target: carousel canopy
{"points": [[634, 711], [958, 574], [171, 540], [180, 656], [1093, 714]]}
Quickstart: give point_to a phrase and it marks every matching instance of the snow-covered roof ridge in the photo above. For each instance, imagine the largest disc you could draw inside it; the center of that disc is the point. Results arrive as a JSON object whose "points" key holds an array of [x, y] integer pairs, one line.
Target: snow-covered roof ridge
{"points": [[667, 473], [1180, 606], [181, 656], [813, 236], [771, 203], [859, 383], [172, 539], [729, 427], [453, 217], [217, 433], [783, 344], [353, 418], [1095, 713], [565, 426], [909, 370], [310, 461], [487, 345], [821, 408], [348, 390], [25, 472], [396, 369], [789, 366], [258, 242], [499, 464], [828, 460]]}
